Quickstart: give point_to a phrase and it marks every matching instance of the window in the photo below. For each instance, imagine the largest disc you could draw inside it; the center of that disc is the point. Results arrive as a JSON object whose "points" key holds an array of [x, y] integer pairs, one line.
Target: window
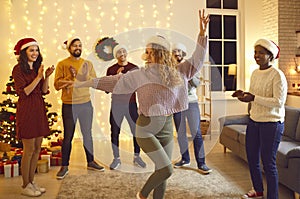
{"points": [[223, 44]]}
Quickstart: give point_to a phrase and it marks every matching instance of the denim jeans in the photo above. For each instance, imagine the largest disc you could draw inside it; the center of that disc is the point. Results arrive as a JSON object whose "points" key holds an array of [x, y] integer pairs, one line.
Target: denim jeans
{"points": [[192, 114], [262, 140], [117, 114], [84, 114]]}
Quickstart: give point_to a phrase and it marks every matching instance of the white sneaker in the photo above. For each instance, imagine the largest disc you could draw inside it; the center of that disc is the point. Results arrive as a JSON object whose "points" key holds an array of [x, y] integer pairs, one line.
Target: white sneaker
{"points": [[29, 190], [38, 188]]}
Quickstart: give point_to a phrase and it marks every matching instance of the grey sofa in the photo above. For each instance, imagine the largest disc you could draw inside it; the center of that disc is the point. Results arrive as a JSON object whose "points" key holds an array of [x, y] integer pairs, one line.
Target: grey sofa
{"points": [[233, 131]]}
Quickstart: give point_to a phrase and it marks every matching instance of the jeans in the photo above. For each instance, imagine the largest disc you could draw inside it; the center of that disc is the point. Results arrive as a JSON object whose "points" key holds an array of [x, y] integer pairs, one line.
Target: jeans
{"points": [[262, 139], [155, 137], [117, 114], [84, 114], [192, 114]]}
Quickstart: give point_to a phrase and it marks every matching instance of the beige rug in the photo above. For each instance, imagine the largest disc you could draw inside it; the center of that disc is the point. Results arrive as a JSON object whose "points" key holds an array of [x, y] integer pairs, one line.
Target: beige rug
{"points": [[184, 183]]}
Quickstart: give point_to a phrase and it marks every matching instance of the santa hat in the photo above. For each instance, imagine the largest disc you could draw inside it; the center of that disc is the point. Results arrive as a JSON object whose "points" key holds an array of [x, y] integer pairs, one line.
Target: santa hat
{"points": [[68, 42], [117, 48], [179, 46], [160, 40], [24, 43], [270, 46]]}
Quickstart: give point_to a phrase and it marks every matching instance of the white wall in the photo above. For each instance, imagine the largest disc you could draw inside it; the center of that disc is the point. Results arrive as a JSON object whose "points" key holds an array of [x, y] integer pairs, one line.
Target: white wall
{"points": [[52, 22]]}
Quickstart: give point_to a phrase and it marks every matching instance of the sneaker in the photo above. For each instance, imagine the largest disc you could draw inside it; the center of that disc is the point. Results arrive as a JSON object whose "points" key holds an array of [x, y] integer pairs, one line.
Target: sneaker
{"points": [[37, 187], [204, 169], [253, 194], [29, 190], [182, 163], [61, 174], [115, 163], [95, 166], [137, 160]]}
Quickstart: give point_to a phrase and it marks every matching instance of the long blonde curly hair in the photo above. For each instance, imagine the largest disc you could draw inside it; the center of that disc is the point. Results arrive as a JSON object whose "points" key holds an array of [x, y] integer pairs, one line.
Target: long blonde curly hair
{"points": [[167, 66]]}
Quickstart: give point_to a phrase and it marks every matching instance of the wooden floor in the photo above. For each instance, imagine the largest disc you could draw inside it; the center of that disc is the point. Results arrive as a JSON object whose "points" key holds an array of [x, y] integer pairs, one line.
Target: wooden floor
{"points": [[230, 166]]}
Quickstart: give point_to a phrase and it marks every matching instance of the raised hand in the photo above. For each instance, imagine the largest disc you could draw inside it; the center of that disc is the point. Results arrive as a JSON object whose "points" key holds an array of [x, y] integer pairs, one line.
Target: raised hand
{"points": [[49, 71], [41, 72], [203, 22]]}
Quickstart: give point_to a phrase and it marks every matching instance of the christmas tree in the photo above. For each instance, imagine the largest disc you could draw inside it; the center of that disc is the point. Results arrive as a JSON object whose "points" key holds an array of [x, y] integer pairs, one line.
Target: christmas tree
{"points": [[8, 117]]}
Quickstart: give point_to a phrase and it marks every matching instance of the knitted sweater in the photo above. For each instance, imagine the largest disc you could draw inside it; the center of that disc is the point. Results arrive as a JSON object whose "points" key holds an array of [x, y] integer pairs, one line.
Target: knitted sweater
{"points": [[62, 72], [156, 99], [270, 89]]}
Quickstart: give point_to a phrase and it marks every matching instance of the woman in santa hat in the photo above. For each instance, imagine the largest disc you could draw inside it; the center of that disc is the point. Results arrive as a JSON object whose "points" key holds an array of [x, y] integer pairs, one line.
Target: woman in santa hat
{"points": [[267, 96], [31, 121]]}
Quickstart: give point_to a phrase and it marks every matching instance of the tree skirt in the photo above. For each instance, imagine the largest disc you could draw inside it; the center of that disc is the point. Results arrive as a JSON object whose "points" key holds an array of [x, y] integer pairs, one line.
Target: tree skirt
{"points": [[184, 183]]}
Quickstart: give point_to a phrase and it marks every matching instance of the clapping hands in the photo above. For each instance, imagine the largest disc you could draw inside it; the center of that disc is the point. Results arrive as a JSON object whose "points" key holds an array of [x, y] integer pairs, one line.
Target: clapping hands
{"points": [[243, 96]]}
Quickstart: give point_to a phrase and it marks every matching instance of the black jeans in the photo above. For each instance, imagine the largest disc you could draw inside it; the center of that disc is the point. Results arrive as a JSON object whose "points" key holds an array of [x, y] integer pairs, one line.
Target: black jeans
{"points": [[117, 114], [84, 114]]}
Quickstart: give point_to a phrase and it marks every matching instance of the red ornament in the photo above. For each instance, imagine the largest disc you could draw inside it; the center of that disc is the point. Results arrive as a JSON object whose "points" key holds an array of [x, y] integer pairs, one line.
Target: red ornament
{"points": [[12, 117], [8, 89]]}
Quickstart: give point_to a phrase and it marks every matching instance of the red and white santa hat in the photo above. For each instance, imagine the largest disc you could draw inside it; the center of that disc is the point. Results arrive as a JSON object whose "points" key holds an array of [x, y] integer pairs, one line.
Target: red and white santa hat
{"points": [[160, 40], [270, 46], [68, 42], [24, 43]]}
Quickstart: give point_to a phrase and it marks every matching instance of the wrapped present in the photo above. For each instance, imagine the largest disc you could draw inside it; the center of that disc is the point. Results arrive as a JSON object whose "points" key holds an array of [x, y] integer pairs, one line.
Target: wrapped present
{"points": [[1, 167], [11, 169], [56, 159], [43, 166], [4, 147], [55, 149], [46, 157], [18, 158]]}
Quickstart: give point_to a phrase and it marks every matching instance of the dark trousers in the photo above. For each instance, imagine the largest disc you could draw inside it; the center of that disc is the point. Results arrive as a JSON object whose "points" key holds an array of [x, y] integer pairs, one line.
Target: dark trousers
{"points": [[262, 140], [192, 115], [117, 114], [84, 114]]}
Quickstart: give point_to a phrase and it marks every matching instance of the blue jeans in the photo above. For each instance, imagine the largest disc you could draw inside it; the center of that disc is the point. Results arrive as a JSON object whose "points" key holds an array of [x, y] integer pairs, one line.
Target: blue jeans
{"points": [[70, 114], [192, 114], [117, 114], [262, 139]]}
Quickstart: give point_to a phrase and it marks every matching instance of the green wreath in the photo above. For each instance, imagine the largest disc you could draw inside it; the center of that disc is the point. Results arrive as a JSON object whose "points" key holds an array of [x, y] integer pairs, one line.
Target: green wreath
{"points": [[104, 48]]}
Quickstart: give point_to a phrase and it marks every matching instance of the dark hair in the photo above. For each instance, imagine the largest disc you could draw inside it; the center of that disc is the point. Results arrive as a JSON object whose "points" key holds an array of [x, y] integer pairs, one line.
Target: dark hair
{"points": [[23, 61]]}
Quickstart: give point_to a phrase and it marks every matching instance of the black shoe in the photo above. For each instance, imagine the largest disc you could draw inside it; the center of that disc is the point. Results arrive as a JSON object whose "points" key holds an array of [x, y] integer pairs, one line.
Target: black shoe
{"points": [[115, 164], [61, 174], [95, 166], [204, 169], [182, 163]]}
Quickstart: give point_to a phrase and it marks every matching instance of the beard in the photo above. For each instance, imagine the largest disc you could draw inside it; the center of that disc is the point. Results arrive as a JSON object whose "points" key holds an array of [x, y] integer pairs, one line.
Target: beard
{"points": [[76, 53], [179, 59]]}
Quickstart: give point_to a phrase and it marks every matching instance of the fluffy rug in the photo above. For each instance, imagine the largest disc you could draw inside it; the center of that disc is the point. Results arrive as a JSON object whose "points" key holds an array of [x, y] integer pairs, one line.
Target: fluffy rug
{"points": [[184, 183]]}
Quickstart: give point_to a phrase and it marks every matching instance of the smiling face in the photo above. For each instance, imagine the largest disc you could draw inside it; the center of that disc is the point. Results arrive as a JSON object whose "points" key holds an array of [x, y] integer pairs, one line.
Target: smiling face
{"points": [[121, 55], [75, 48], [178, 55], [32, 53], [262, 57]]}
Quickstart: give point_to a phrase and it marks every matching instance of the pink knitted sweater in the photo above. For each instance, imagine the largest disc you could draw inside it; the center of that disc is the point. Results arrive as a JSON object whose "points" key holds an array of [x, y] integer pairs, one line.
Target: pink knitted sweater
{"points": [[155, 98]]}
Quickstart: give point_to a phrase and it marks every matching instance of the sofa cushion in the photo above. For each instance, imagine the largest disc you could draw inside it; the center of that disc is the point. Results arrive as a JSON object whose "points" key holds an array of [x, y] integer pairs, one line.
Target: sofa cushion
{"points": [[297, 133], [285, 151], [291, 121], [233, 131]]}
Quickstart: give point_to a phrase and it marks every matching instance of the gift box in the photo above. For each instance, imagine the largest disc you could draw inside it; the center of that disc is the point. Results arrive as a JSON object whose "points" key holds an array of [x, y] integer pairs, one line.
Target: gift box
{"points": [[46, 157], [1, 167], [11, 169], [42, 166], [56, 159]]}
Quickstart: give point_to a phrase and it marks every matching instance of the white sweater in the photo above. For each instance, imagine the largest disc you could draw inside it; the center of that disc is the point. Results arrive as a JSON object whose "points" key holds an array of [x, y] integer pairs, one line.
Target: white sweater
{"points": [[270, 89]]}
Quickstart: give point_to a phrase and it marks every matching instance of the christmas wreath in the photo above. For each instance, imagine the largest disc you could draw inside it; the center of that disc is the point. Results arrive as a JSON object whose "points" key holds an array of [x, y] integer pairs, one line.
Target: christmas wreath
{"points": [[104, 48]]}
